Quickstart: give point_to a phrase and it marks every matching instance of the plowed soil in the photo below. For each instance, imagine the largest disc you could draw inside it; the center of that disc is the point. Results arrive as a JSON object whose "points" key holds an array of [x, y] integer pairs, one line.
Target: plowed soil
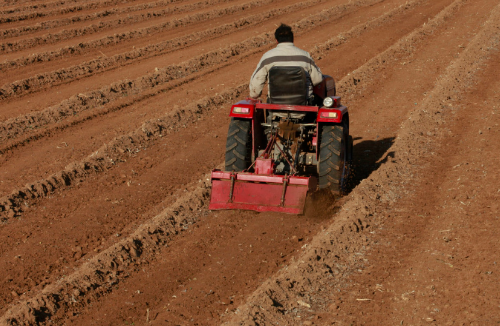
{"points": [[113, 113]]}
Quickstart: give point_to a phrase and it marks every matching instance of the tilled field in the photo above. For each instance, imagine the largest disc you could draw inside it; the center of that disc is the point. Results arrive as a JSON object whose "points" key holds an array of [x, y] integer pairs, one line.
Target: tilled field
{"points": [[114, 112]]}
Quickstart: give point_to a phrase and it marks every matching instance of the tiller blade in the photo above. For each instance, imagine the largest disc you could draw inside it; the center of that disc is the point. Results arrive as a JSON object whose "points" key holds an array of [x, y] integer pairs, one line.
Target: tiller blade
{"points": [[260, 192]]}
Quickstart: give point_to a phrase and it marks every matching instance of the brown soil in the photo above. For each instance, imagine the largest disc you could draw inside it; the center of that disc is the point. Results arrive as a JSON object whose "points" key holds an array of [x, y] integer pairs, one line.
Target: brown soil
{"points": [[114, 113]]}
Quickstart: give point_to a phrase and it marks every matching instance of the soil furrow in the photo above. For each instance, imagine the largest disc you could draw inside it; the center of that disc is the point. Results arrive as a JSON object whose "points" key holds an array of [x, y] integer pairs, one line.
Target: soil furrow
{"points": [[433, 229], [123, 214], [353, 85], [50, 9], [346, 36], [12, 128], [135, 101], [105, 157], [313, 270], [18, 5], [320, 50], [31, 275], [41, 81], [8, 47], [128, 240], [68, 292], [63, 165], [24, 30], [107, 269], [144, 51]]}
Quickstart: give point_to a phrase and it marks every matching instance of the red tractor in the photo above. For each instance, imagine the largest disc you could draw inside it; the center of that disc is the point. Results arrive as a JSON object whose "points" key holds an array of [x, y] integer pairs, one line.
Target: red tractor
{"points": [[277, 152]]}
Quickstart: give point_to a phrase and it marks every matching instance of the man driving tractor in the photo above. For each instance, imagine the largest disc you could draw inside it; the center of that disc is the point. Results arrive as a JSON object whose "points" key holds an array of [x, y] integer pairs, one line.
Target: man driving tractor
{"points": [[293, 144], [285, 54]]}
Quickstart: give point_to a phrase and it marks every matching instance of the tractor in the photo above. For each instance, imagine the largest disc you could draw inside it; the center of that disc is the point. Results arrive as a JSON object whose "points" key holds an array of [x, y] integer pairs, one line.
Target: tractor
{"points": [[279, 151]]}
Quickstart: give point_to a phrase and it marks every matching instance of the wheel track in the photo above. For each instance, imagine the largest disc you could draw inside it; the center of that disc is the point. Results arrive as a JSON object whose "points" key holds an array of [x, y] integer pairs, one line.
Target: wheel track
{"points": [[363, 210], [65, 75], [24, 30], [67, 291], [15, 127], [8, 47]]}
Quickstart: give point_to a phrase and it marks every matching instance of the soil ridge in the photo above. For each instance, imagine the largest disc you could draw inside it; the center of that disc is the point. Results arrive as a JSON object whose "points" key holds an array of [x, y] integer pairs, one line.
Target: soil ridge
{"points": [[19, 31]]}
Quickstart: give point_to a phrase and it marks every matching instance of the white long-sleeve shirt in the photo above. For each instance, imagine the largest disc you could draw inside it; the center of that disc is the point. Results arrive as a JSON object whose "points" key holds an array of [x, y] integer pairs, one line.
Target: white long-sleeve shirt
{"points": [[284, 54]]}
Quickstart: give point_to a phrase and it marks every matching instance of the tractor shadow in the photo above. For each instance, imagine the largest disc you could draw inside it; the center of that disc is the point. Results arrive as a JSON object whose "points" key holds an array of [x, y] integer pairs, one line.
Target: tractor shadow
{"points": [[368, 156]]}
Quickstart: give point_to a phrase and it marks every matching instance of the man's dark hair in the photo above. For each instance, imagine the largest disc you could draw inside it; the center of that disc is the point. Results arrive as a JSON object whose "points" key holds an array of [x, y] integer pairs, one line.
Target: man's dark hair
{"points": [[284, 34]]}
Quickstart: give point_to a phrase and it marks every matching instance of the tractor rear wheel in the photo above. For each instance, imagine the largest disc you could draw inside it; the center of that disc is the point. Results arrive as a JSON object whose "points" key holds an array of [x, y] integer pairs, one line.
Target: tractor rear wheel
{"points": [[332, 158], [239, 145]]}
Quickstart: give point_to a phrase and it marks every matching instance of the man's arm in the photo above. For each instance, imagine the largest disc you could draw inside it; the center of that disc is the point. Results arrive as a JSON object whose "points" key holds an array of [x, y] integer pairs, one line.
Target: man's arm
{"points": [[315, 73], [258, 80]]}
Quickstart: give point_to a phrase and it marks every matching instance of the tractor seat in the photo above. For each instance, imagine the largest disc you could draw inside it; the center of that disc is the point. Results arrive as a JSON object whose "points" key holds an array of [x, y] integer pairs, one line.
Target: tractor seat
{"points": [[288, 85]]}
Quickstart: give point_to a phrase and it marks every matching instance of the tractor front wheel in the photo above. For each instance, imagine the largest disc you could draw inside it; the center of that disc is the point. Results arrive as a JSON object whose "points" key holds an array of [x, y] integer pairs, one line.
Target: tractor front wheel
{"points": [[332, 158], [239, 145]]}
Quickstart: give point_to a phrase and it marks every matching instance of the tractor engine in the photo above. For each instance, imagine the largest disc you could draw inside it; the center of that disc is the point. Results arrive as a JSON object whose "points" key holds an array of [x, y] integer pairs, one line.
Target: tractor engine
{"points": [[293, 149]]}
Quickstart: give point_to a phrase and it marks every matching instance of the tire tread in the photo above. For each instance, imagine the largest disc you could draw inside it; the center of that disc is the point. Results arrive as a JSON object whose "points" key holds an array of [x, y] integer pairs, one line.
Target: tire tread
{"points": [[238, 145]]}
